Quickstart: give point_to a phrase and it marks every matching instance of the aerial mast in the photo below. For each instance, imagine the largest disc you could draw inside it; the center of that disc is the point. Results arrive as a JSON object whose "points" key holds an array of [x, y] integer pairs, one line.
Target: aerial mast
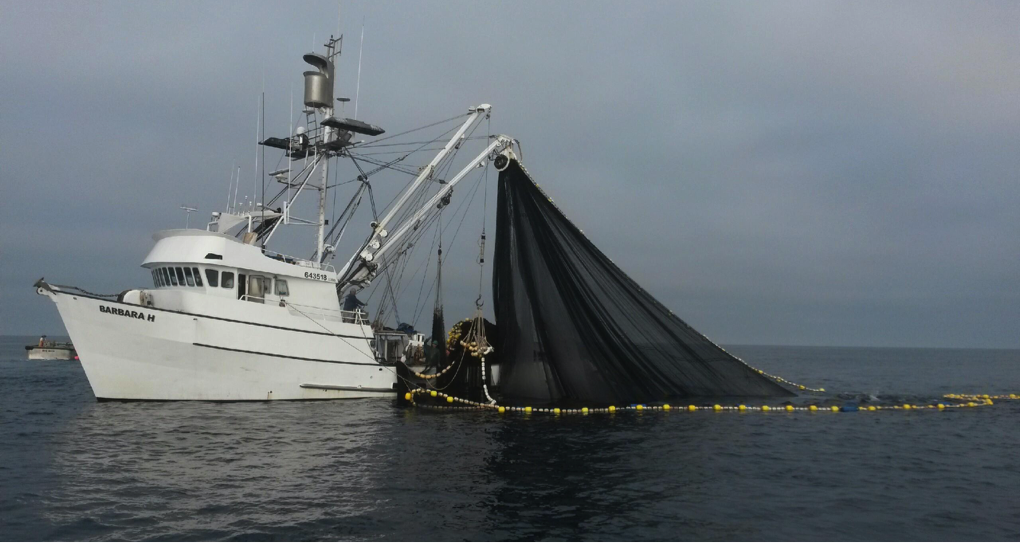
{"points": [[324, 137], [319, 86]]}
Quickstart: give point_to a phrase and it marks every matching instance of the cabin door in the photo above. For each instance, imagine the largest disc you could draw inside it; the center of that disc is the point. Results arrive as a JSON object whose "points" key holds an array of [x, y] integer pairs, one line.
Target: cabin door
{"points": [[257, 287]]}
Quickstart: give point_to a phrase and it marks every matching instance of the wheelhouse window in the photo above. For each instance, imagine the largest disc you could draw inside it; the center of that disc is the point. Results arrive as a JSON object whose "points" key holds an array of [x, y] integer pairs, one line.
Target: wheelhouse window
{"points": [[166, 277], [180, 276], [258, 286], [198, 277], [212, 277], [173, 277], [281, 288], [188, 277], [155, 282], [227, 280]]}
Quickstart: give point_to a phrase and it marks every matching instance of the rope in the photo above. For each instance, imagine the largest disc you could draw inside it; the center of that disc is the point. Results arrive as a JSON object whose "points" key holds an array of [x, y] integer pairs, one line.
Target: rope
{"points": [[85, 292], [458, 363], [432, 376], [957, 401], [985, 400], [376, 142], [485, 386], [428, 261], [481, 242], [372, 145], [778, 378], [461, 206], [981, 397], [341, 338]]}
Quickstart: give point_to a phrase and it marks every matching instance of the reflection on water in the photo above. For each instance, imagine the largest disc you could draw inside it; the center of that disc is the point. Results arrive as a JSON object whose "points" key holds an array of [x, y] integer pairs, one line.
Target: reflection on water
{"points": [[189, 466]]}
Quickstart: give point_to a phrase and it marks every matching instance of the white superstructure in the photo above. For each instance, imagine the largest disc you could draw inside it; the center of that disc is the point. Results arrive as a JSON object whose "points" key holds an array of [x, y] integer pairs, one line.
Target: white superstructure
{"points": [[227, 319]]}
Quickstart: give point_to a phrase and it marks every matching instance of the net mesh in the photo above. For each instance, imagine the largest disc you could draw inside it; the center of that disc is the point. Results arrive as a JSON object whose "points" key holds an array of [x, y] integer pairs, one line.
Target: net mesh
{"points": [[573, 326]]}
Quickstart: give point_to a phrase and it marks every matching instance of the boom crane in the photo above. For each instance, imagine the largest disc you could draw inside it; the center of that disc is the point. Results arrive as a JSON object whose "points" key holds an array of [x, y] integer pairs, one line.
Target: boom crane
{"points": [[362, 268]]}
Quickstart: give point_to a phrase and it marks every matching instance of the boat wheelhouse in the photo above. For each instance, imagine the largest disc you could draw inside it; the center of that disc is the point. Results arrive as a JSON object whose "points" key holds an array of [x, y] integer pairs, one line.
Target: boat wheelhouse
{"points": [[192, 269]]}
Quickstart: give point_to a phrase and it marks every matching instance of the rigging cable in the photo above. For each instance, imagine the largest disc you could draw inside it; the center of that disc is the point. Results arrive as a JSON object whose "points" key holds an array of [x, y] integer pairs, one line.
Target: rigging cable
{"points": [[481, 251], [442, 168], [376, 142], [474, 192], [375, 217], [428, 261]]}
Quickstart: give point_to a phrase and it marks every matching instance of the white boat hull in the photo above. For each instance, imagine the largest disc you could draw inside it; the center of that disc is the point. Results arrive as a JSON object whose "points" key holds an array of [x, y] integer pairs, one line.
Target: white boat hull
{"points": [[131, 352]]}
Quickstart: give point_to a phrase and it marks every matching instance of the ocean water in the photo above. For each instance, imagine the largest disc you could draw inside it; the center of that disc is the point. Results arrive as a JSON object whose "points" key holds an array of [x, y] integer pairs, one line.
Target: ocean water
{"points": [[73, 468]]}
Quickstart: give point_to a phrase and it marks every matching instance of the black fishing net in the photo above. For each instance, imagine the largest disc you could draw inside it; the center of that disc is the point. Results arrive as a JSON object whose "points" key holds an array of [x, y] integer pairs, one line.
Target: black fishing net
{"points": [[435, 350], [464, 379], [573, 326]]}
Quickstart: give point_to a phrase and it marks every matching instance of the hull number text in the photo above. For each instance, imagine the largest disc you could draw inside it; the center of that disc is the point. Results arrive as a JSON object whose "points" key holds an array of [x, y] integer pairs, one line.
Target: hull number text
{"points": [[316, 276]]}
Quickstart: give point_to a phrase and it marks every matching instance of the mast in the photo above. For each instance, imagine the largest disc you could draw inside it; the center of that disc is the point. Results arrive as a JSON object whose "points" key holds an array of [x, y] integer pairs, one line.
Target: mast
{"points": [[320, 239], [319, 88]]}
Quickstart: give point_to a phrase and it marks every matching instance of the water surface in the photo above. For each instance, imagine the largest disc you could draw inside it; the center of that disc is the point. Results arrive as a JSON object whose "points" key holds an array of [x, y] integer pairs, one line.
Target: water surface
{"points": [[73, 468]]}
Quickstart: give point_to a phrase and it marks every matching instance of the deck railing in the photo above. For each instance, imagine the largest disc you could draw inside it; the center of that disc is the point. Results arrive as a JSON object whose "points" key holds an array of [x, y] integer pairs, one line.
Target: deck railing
{"points": [[349, 317], [299, 261]]}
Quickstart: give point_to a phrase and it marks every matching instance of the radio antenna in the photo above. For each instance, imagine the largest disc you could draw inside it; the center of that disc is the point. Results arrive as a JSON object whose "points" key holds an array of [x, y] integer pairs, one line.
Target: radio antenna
{"points": [[290, 138], [263, 172], [361, 49], [339, 13], [237, 183], [230, 185], [188, 210], [255, 173]]}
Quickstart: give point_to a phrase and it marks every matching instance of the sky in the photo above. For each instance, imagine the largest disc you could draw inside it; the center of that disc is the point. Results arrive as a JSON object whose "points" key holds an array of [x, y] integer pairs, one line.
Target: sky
{"points": [[788, 173]]}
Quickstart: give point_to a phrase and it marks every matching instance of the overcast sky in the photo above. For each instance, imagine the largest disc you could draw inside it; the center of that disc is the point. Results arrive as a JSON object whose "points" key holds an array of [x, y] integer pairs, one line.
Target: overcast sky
{"points": [[812, 173]]}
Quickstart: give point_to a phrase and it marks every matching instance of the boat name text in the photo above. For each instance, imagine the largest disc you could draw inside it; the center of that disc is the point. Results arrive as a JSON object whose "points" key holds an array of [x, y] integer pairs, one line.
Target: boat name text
{"points": [[126, 313]]}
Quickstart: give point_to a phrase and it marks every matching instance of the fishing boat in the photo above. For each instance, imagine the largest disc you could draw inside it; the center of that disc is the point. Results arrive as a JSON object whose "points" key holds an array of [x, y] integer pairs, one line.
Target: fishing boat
{"points": [[226, 318], [50, 350]]}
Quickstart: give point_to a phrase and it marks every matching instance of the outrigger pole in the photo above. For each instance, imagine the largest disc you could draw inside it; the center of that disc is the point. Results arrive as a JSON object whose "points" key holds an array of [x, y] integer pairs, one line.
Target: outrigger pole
{"points": [[368, 261]]}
